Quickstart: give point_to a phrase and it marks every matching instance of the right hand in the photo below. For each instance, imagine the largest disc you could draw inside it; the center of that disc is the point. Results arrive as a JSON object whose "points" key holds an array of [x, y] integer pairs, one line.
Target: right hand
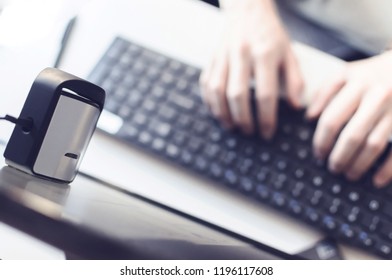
{"points": [[255, 44]]}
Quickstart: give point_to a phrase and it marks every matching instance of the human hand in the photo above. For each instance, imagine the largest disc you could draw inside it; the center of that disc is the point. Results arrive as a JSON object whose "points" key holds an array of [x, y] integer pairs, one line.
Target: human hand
{"points": [[356, 112], [254, 44]]}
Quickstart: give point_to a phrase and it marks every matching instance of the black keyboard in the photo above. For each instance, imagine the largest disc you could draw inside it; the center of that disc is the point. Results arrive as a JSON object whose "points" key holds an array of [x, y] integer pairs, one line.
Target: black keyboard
{"points": [[157, 98]]}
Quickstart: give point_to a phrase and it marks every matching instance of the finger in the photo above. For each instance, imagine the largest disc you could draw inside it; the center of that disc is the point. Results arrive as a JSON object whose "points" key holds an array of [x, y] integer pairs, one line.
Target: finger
{"points": [[293, 79], [384, 174], [266, 79], [214, 81], [334, 117], [373, 147], [238, 94], [356, 131], [324, 95], [203, 81]]}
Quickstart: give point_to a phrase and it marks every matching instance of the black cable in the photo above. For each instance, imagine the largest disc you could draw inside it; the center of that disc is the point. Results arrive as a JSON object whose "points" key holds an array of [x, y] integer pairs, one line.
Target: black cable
{"points": [[26, 124]]}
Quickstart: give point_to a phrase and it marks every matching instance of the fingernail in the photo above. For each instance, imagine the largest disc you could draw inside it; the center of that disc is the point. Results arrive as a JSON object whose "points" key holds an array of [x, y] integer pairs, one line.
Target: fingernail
{"points": [[267, 133], [296, 103], [353, 176], [318, 154], [227, 126], [247, 131], [334, 168], [310, 113], [379, 182]]}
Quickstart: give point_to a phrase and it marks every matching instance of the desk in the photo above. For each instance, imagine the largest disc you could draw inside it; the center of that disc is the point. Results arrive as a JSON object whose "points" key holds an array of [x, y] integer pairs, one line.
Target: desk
{"points": [[187, 30], [94, 220]]}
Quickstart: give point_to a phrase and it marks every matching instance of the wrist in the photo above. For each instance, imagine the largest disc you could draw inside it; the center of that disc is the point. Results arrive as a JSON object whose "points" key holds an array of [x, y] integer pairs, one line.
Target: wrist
{"points": [[236, 5]]}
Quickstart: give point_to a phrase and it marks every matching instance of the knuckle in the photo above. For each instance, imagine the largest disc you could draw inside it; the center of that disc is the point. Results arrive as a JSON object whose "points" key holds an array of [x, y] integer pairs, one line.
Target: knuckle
{"points": [[242, 48], [265, 97], [375, 145], [263, 51], [353, 140], [327, 124], [216, 88], [235, 95], [299, 85]]}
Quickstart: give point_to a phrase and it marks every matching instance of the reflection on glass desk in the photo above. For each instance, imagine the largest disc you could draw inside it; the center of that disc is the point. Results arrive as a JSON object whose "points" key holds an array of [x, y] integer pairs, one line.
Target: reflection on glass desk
{"points": [[96, 221]]}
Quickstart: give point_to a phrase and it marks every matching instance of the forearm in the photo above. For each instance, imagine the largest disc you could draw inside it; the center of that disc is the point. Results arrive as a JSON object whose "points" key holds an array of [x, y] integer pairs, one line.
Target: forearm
{"points": [[263, 9]]}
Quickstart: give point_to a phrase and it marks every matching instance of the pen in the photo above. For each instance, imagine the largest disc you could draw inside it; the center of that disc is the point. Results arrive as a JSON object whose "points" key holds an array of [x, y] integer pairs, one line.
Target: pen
{"points": [[64, 41]]}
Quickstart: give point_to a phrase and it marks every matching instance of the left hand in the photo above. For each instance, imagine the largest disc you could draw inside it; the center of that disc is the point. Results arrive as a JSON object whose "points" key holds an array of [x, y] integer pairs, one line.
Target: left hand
{"points": [[355, 123]]}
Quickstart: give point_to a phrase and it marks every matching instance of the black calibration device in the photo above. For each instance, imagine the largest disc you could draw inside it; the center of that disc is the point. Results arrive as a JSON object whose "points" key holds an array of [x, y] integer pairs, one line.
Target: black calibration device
{"points": [[56, 124]]}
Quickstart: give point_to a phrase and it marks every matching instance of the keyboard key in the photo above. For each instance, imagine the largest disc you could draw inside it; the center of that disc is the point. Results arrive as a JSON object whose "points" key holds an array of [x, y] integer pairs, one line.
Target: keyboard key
{"points": [[211, 150], [304, 134], [285, 147], [249, 150], [161, 128], [167, 112], [129, 131], [295, 207], [279, 181], [215, 135], [281, 164], [263, 174], [124, 112], [299, 173], [149, 106], [194, 144], [287, 129], [181, 101], [200, 127], [245, 165], [231, 177], [365, 239], [329, 223], [278, 199], [140, 119], [373, 204], [172, 151], [353, 214], [186, 157], [336, 188], [312, 215], [303, 153], [144, 138], [384, 249], [371, 223], [347, 231], [229, 157], [298, 190], [353, 196], [216, 170], [335, 206], [231, 143], [158, 144], [262, 192], [246, 184], [201, 163], [179, 138], [158, 92], [317, 181], [184, 121], [315, 198], [265, 157]]}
